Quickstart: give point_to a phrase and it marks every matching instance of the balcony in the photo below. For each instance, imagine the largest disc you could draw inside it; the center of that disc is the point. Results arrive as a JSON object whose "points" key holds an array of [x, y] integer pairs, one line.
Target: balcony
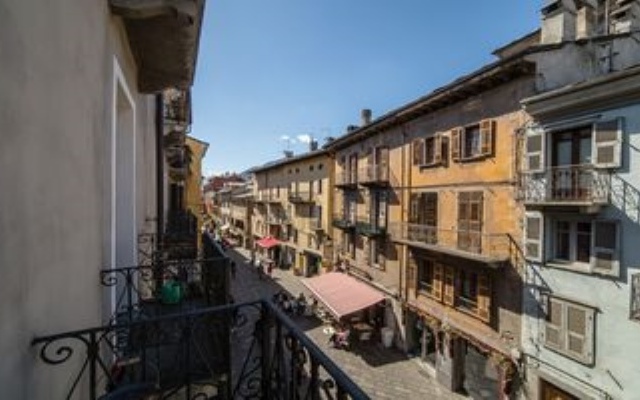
{"points": [[300, 197], [574, 185], [491, 247], [278, 219], [369, 226], [374, 175], [177, 107], [347, 180], [181, 234], [344, 222], [250, 350]]}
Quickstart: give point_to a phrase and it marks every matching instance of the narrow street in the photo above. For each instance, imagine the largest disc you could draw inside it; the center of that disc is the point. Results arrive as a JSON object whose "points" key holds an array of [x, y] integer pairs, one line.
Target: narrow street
{"points": [[382, 373]]}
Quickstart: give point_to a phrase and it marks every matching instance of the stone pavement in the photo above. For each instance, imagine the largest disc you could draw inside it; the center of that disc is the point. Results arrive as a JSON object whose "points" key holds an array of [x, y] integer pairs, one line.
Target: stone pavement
{"points": [[381, 373]]}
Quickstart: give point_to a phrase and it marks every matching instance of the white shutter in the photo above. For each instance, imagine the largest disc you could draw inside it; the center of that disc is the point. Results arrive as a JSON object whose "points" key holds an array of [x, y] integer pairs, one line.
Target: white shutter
{"points": [[605, 254], [607, 143], [579, 332], [534, 236], [552, 335], [534, 150]]}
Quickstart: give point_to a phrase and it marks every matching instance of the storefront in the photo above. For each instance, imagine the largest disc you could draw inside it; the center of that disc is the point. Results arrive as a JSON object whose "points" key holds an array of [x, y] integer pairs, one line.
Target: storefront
{"points": [[458, 360]]}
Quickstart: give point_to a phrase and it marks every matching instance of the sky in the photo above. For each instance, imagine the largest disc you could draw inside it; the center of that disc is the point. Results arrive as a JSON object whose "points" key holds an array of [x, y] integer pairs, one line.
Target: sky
{"points": [[272, 74]]}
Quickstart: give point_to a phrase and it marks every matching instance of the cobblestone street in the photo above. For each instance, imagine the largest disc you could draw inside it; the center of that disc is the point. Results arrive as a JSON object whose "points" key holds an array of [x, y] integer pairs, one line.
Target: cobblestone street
{"points": [[382, 373]]}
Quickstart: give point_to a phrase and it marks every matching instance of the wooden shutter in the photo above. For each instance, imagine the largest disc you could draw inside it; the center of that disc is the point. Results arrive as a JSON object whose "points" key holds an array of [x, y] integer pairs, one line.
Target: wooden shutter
{"points": [[437, 148], [484, 297], [418, 152], [552, 333], [456, 137], [534, 151], [437, 281], [414, 204], [605, 239], [579, 332], [607, 143], [449, 285], [382, 209], [486, 137], [534, 236], [411, 272]]}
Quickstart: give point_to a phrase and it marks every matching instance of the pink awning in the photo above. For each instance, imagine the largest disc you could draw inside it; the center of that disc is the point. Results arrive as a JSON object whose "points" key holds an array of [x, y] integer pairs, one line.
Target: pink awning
{"points": [[342, 294], [268, 242]]}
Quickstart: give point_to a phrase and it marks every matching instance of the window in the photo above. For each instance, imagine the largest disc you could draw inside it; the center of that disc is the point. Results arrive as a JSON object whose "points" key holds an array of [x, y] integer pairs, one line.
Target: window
{"points": [[467, 290], [320, 166], [472, 142], [378, 211], [320, 186], [423, 217], [569, 329], [427, 151], [592, 246], [470, 217], [597, 144], [429, 278], [635, 297]]}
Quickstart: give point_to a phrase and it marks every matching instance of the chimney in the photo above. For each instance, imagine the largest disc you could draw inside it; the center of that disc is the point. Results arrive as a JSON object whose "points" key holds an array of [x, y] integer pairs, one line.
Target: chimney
{"points": [[288, 153], [365, 116], [313, 145], [351, 128], [558, 21]]}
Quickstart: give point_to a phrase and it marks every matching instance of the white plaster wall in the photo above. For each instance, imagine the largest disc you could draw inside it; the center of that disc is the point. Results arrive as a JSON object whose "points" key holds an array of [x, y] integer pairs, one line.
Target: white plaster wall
{"points": [[55, 178], [616, 337]]}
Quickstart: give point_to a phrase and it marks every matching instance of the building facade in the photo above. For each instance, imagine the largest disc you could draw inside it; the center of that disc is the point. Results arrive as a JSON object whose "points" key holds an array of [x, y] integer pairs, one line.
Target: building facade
{"points": [[85, 118], [580, 187], [292, 203]]}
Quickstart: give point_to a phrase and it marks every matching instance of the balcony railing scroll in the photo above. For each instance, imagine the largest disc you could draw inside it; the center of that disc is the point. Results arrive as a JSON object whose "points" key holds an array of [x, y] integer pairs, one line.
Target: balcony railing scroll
{"points": [[244, 351], [495, 245], [565, 185]]}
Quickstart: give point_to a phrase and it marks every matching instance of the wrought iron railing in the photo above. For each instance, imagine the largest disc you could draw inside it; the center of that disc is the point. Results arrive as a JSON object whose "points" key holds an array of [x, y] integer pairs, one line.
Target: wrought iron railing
{"points": [[244, 351], [344, 221], [177, 107], [165, 286], [489, 244], [347, 178], [582, 184], [300, 196], [370, 226], [373, 173]]}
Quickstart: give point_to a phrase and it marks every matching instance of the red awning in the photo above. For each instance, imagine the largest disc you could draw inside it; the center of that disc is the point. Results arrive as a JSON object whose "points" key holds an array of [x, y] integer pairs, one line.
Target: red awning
{"points": [[268, 242], [342, 294]]}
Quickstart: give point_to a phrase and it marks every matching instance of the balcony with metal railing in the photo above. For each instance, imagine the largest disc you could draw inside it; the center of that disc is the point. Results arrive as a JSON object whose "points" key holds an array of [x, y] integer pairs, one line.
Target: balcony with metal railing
{"points": [[572, 185], [347, 179], [374, 175], [344, 221], [300, 196], [370, 226], [486, 247], [244, 351]]}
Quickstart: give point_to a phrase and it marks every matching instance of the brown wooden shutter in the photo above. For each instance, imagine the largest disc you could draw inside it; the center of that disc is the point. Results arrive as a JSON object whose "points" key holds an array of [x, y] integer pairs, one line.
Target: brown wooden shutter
{"points": [[437, 281], [418, 152], [607, 144], [486, 137], [605, 253], [534, 236], [449, 285], [456, 137], [411, 272], [484, 297], [437, 148]]}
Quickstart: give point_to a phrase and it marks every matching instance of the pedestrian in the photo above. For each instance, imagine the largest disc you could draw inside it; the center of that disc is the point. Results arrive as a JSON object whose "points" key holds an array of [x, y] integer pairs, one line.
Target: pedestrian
{"points": [[301, 304]]}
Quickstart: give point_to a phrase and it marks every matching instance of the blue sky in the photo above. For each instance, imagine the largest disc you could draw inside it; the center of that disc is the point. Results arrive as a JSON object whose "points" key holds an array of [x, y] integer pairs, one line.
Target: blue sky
{"points": [[269, 69]]}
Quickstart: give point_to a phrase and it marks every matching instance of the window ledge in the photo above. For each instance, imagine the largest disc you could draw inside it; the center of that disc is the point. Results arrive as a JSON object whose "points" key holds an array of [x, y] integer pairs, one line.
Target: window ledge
{"points": [[479, 157], [570, 266], [430, 165]]}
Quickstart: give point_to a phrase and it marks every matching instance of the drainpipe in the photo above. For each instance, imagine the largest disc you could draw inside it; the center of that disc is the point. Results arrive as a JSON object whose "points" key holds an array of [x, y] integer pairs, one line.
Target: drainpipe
{"points": [[159, 166]]}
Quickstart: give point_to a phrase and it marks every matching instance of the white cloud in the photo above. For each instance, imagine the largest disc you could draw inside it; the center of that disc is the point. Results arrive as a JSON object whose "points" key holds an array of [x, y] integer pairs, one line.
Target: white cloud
{"points": [[286, 138], [304, 138]]}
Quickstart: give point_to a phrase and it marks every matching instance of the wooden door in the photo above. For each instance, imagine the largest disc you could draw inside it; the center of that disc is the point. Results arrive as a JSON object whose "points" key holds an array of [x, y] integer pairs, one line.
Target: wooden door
{"points": [[551, 392]]}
